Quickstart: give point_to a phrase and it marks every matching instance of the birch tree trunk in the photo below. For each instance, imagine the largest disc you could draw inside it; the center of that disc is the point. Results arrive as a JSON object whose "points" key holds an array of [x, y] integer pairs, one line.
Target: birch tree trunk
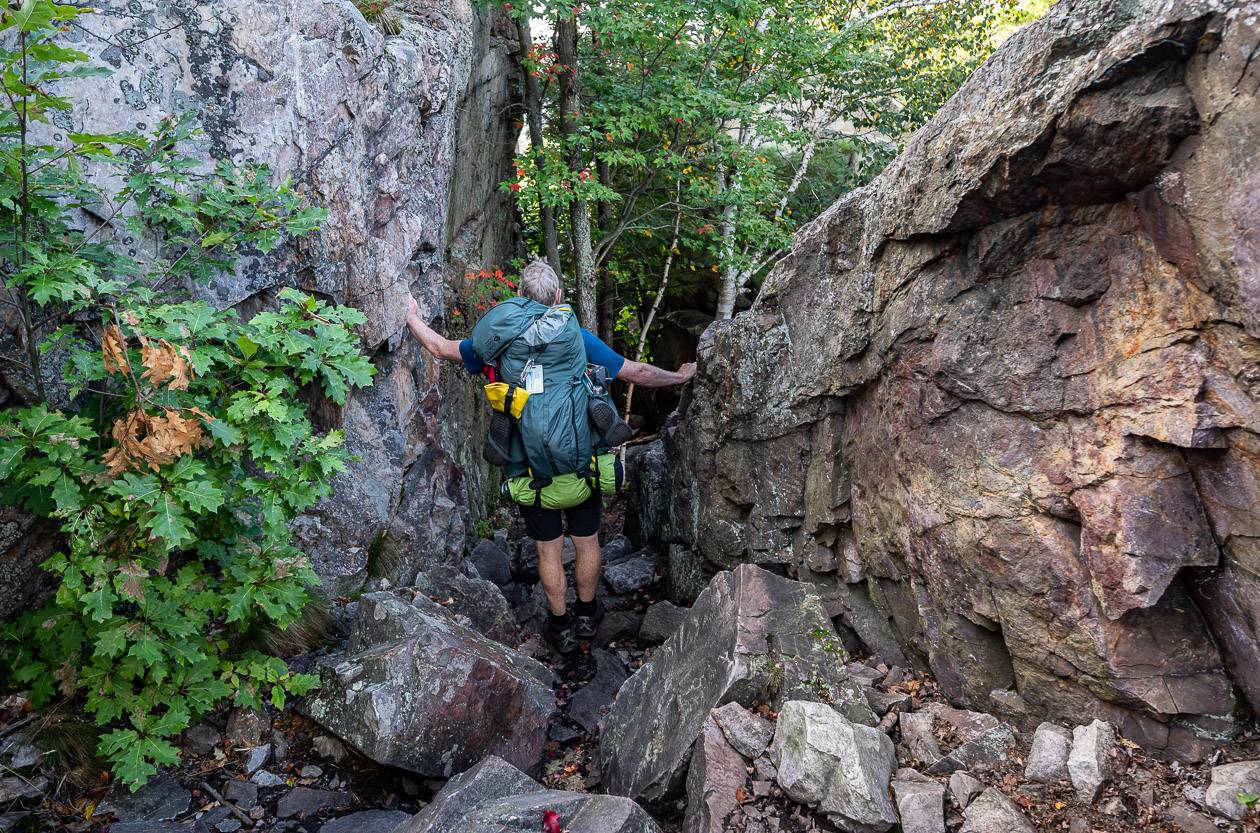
{"points": [[533, 118], [579, 210]]}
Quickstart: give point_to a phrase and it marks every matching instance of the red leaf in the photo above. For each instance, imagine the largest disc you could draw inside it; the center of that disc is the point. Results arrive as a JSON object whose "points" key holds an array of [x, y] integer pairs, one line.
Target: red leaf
{"points": [[551, 822]]}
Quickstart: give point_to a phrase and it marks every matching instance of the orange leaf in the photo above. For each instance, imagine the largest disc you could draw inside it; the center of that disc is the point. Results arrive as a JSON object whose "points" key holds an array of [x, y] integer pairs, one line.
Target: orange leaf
{"points": [[740, 795], [153, 441]]}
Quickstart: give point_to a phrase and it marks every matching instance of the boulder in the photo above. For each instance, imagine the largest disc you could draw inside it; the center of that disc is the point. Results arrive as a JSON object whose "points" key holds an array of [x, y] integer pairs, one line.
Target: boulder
{"points": [[1048, 758], [748, 733], [1089, 762], [1228, 782], [992, 812], [475, 602], [920, 802], [660, 621], [988, 370], [751, 635], [493, 562], [420, 691], [838, 767], [716, 773], [495, 797]]}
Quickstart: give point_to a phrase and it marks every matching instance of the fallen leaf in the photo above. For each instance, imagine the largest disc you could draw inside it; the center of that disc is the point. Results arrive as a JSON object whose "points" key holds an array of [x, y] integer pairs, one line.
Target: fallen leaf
{"points": [[551, 821], [740, 795]]}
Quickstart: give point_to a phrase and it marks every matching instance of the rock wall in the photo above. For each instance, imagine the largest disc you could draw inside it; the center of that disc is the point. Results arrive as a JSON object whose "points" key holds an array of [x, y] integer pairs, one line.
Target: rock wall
{"points": [[367, 125], [1003, 401]]}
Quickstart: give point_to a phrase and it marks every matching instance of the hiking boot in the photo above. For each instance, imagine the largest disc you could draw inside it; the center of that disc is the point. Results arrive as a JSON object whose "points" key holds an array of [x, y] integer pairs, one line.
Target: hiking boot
{"points": [[586, 625], [611, 427], [560, 635]]}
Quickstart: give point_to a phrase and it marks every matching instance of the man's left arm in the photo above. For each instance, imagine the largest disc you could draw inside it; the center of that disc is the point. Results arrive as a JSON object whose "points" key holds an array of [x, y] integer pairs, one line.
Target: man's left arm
{"points": [[651, 376]]}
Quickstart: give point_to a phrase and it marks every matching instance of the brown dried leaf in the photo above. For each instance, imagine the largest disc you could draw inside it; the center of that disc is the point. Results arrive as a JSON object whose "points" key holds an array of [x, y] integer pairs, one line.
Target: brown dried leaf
{"points": [[166, 362], [114, 347], [131, 585], [153, 441]]}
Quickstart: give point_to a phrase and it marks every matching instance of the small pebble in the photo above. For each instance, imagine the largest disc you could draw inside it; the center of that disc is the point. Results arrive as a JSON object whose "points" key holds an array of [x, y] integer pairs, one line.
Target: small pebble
{"points": [[311, 771]]}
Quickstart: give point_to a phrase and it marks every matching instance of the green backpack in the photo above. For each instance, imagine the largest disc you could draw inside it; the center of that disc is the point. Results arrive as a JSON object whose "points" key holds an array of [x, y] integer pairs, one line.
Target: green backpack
{"points": [[553, 435]]}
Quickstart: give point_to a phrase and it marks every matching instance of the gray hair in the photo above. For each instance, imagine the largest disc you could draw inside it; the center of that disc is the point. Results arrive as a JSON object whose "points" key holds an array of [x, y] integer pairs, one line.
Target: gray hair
{"points": [[539, 282]]}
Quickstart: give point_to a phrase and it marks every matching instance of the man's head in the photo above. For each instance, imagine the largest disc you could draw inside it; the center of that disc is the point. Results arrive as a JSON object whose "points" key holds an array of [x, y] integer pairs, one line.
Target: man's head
{"points": [[540, 283]]}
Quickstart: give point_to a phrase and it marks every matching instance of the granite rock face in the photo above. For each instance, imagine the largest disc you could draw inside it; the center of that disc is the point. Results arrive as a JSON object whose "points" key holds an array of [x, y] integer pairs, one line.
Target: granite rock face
{"points": [[418, 690], [366, 125], [1002, 402]]}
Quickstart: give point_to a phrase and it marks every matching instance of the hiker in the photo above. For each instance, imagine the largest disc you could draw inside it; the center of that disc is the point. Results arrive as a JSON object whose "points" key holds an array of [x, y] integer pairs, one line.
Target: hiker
{"points": [[552, 424]]}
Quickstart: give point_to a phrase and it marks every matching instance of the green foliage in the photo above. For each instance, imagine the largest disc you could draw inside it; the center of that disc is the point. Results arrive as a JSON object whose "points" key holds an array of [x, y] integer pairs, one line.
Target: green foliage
{"points": [[739, 119], [1247, 799], [178, 448]]}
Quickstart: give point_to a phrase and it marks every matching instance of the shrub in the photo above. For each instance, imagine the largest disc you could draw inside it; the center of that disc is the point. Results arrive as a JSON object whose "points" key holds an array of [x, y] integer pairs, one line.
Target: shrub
{"points": [[180, 448]]}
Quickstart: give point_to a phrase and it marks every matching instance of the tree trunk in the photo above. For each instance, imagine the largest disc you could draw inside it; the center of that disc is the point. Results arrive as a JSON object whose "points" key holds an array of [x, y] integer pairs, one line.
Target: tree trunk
{"points": [[608, 286], [730, 274], [533, 118], [579, 210], [656, 302]]}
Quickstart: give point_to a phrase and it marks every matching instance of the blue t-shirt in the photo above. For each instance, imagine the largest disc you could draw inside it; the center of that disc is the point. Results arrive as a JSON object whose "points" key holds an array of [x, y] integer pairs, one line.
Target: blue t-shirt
{"points": [[597, 352]]}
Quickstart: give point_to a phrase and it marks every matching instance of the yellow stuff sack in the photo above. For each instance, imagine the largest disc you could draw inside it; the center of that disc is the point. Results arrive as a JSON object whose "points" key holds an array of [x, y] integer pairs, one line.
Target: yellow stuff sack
{"points": [[496, 395]]}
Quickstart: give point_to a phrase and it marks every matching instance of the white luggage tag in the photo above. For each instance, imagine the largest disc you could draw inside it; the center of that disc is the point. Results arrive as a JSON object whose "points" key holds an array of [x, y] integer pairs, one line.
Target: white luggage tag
{"points": [[532, 378]]}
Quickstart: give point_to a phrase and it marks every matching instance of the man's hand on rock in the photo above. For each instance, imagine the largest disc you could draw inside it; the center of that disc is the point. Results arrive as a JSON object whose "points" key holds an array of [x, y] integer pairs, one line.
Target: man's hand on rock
{"points": [[686, 372], [413, 309]]}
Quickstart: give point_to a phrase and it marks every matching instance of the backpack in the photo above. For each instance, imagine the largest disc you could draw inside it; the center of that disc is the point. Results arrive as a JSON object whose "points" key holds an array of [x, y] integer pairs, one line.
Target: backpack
{"points": [[552, 435]]}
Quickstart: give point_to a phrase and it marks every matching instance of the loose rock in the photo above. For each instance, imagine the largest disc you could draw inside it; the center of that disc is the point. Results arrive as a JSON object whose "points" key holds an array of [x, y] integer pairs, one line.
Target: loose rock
{"points": [[839, 767], [963, 787], [920, 802], [420, 691], [367, 821], [255, 758], [1048, 758], [243, 794], [474, 602], [493, 562], [660, 621], [1089, 762], [246, 727], [201, 739], [495, 796], [993, 812], [749, 632], [305, 801], [917, 737], [632, 574], [985, 740], [589, 705], [161, 799], [1228, 781], [748, 733]]}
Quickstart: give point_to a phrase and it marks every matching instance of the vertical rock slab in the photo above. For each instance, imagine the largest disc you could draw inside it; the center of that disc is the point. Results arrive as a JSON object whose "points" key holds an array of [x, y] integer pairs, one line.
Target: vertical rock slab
{"points": [[715, 775], [365, 124], [420, 691], [1006, 392], [751, 635]]}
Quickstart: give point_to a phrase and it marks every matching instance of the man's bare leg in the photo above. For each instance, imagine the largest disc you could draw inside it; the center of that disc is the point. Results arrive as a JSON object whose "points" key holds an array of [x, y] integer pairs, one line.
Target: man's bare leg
{"points": [[586, 568], [551, 573]]}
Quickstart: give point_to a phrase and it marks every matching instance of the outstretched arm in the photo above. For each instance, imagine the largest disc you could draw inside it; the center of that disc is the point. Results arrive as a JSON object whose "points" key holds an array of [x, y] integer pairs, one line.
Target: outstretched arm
{"points": [[650, 376], [437, 345]]}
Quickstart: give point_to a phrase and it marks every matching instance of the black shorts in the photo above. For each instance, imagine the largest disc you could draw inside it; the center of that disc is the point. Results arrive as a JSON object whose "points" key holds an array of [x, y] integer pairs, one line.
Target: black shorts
{"points": [[547, 525]]}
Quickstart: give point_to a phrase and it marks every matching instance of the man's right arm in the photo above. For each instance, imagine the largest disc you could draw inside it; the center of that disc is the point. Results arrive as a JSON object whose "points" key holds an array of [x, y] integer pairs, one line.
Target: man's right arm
{"points": [[437, 345]]}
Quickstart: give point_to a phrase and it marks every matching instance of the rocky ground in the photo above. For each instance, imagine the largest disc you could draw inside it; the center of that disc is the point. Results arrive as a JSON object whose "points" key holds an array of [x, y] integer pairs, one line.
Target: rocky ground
{"points": [[744, 713]]}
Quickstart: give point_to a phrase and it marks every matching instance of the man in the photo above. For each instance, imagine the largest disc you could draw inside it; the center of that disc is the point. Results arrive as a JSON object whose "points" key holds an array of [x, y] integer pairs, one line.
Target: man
{"points": [[547, 526]]}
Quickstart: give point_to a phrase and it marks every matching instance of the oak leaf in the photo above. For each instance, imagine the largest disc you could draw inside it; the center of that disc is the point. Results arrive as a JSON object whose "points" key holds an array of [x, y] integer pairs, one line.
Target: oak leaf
{"points": [[114, 347], [154, 441], [166, 362]]}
